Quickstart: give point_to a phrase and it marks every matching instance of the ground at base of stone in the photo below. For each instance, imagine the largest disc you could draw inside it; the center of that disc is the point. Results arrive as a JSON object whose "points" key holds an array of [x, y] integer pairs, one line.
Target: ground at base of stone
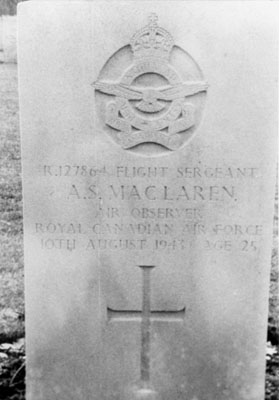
{"points": [[12, 351], [12, 371]]}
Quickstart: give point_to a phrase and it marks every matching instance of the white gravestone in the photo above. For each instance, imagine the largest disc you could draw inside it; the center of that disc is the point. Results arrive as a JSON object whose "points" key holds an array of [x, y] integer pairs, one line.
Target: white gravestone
{"points": [[149, 159]]}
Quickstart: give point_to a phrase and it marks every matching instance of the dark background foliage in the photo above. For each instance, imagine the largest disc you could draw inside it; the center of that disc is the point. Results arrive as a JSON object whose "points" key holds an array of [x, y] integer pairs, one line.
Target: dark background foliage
{"points": [[8, 7]]}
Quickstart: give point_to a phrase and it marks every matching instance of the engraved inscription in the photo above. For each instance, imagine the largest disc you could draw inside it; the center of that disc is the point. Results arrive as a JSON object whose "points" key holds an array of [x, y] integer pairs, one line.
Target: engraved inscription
{"points": [[155, 208]]}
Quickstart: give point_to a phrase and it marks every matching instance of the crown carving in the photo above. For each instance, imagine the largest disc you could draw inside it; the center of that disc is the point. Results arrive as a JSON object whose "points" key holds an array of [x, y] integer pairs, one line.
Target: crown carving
{"points": [[152, 41]]}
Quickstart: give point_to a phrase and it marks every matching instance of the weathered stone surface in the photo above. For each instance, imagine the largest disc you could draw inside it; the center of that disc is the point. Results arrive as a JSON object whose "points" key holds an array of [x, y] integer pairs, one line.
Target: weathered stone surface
{"points": [[148, 167]]}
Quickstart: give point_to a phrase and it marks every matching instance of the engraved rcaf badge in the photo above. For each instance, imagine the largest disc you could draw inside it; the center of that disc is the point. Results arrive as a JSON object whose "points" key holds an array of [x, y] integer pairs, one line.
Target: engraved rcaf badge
{"points": [[150, 92]]}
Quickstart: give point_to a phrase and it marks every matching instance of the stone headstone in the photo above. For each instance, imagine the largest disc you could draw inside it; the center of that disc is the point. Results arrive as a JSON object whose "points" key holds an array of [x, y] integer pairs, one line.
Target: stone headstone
{"points": [[149, 160]]}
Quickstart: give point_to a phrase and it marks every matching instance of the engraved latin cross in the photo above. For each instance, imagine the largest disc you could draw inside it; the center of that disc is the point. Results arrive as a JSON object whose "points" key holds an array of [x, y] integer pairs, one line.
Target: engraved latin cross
{"points": [[146, 315]]}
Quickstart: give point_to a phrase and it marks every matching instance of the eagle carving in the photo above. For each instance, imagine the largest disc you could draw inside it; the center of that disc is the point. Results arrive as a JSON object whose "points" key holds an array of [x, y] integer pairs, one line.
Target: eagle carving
{"points": [[149, 97], [150, 102]]}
